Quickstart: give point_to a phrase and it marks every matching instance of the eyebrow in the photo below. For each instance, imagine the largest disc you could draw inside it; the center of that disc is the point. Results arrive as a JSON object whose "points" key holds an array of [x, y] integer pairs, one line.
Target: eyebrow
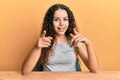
{"points": [[63, 17]]}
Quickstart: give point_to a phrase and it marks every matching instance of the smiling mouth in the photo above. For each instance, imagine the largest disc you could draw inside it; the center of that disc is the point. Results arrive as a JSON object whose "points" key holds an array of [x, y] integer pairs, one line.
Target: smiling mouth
{"points": [[61, 29]]}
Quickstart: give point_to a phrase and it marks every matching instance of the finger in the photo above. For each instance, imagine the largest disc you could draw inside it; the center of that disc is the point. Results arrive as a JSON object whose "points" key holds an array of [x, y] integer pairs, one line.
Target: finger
{"points": [[73, 39], [44, 44], [72, 36], [49, 37], [46, 39], [44, 33], [75, 31], [78, 39]]}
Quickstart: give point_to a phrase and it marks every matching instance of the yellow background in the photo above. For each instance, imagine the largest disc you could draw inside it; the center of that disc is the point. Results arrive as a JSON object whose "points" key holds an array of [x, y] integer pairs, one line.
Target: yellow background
{"points": [[20, 25]]}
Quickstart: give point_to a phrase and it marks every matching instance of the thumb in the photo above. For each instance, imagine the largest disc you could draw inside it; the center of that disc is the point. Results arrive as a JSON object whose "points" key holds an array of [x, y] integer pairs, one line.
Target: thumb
{"points": [[75, 31], [44, 33]]}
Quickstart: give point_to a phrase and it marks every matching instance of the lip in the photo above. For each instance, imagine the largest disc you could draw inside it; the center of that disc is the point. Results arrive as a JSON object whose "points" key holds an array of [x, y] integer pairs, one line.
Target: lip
{"points": [[61, 29]]}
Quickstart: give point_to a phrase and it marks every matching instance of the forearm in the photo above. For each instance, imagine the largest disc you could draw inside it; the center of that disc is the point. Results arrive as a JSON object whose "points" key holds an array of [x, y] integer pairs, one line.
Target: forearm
{"points": [[31, 61], [92, 58]]}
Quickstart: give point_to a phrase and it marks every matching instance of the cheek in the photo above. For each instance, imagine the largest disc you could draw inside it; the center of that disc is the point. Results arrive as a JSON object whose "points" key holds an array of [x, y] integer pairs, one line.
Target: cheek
{"points": [[55, 24], [67, 24]]}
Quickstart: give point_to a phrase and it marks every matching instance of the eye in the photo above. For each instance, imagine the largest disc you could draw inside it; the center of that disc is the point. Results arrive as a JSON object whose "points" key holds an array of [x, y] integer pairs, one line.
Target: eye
{"points": [[66, 19], [56, 19]]}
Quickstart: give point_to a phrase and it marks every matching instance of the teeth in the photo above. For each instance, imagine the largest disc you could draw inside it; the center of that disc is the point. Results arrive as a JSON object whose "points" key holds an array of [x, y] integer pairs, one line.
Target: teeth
{"points": [[61, 29]]}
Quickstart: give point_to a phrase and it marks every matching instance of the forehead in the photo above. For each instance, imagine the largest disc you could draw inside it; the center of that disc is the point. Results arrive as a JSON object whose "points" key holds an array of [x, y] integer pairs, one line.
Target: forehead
{"points": [[60, 13]]}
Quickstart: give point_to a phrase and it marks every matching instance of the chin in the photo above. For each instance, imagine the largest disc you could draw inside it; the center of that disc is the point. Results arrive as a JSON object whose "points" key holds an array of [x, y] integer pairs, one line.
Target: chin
{"points": [[61, 33]]}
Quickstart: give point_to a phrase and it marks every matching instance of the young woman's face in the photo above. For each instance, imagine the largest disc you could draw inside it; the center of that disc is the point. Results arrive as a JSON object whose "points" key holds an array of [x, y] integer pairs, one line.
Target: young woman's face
{"points": [[60, 21]]}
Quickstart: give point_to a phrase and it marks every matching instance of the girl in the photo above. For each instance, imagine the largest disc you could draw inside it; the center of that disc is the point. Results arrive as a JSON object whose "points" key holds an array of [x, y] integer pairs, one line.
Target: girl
{"points": [[59, 43]]}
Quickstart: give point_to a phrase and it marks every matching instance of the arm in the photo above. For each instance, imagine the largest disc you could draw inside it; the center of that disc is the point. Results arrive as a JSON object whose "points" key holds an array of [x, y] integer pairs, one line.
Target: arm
{"points": [[86, 52], [34, 55], [88, 56], [31, 60]]}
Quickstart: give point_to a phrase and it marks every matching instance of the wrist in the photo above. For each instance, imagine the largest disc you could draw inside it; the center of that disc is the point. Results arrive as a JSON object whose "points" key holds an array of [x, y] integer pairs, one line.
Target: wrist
{"points": [[37, 47]]}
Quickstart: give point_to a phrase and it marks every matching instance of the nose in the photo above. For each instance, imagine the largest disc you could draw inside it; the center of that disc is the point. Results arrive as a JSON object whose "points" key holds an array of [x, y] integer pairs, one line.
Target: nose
{"points": [[61, 22]]}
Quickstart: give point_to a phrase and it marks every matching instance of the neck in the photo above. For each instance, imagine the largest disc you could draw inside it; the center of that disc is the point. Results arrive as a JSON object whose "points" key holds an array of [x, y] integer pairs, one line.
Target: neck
{"points": [[61, 39]]}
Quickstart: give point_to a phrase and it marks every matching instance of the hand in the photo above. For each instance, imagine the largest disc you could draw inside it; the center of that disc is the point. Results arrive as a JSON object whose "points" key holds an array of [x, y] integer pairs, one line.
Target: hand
{"points": [[77, 38], [44, 41]]}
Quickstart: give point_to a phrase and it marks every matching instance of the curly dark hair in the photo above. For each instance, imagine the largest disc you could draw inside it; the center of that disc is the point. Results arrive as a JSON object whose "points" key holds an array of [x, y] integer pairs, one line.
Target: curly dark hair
{"points": [[48, 26]]}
